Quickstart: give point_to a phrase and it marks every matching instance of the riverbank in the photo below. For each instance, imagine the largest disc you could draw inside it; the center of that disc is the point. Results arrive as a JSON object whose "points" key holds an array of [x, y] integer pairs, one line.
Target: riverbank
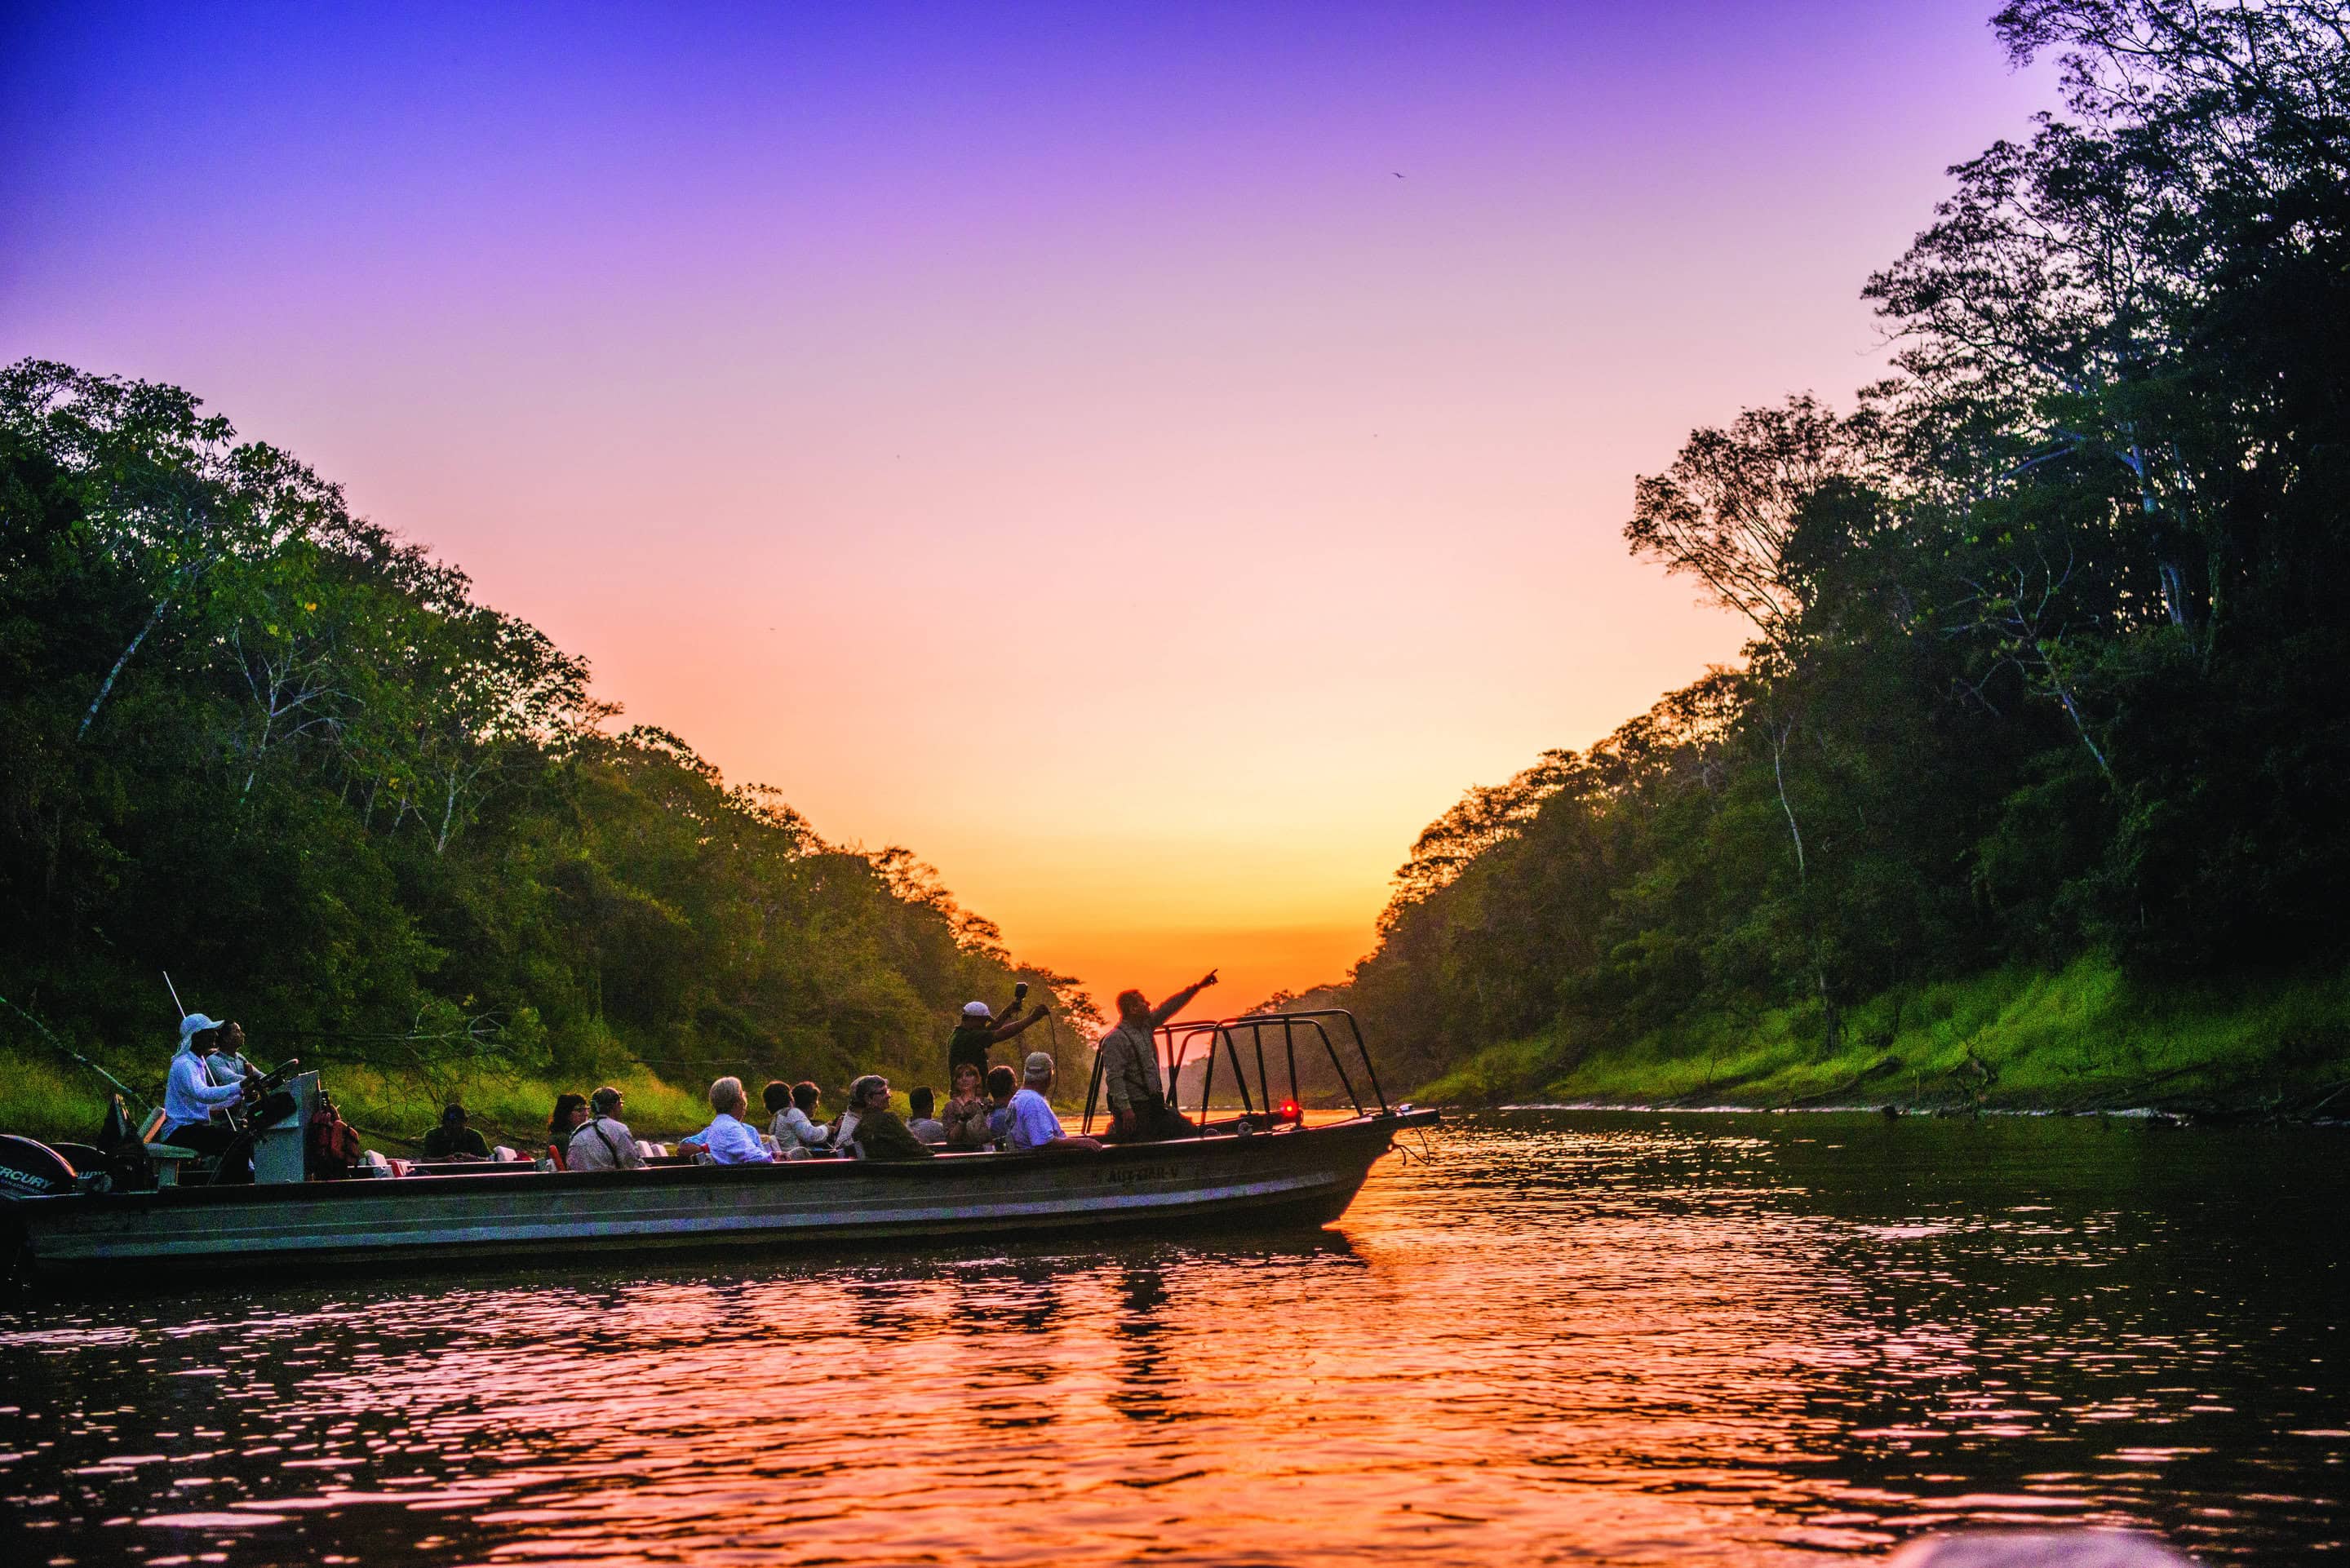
{"points": [[2088, 1038], [46, 1096]]}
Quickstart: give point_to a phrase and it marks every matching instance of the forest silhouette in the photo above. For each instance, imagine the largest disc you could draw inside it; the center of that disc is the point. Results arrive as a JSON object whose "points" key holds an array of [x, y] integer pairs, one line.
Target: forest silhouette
{"points": [[275, 749]]}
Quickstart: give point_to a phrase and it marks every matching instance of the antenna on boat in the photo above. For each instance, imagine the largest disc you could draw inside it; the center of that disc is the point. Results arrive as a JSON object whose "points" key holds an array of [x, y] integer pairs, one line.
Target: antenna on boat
{"points": [[179, 1007]]}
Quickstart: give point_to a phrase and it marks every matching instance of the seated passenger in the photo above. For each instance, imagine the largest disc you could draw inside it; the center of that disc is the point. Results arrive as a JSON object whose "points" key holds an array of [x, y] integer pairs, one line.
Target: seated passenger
{"points": [[727, 1140], [452, 1139], [603, 1141], [920, 1120], [570, 1110], [843, 1131], [1001, 1084], [1035, 1127], [966, 1114], [228, 1064], [879, 1133], [794, 1126]]}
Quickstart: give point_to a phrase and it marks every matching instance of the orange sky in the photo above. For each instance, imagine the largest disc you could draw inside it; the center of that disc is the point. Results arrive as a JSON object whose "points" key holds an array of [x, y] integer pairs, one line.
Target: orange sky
{"points": [[1147, 464]]}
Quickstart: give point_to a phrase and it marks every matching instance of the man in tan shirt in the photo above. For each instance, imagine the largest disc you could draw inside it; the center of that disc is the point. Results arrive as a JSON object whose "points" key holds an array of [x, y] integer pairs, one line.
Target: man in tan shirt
{"points": [[603, 1141], [1139, 1112]]}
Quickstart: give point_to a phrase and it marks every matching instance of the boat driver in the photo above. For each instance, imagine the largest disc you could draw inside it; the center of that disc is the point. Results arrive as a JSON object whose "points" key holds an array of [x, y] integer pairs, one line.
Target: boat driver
{"points": [[190, 1098]]}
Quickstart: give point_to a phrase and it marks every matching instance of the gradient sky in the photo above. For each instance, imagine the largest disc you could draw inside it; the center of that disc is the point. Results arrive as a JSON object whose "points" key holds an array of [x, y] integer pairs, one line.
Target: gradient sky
{"points": [[1147, 460]]}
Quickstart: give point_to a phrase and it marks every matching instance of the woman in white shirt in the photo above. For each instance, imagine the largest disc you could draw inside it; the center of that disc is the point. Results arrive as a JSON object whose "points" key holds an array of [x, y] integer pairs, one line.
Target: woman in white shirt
{"points": [[794, 1127]]}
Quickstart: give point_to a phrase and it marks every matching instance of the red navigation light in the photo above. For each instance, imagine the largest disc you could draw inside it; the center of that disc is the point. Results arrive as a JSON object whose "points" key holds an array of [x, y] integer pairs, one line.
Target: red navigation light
{"points": [[1290, 1112]]}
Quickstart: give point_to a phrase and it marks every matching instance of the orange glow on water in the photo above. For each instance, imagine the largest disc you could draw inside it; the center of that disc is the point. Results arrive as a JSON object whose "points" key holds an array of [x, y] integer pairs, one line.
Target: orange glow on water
{"points": [[1615, 1339]]}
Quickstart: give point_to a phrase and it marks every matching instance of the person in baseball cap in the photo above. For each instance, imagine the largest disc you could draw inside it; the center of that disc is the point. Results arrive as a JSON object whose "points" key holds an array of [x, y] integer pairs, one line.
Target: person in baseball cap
{"points": [[1034, 1127], [977, 1031]]}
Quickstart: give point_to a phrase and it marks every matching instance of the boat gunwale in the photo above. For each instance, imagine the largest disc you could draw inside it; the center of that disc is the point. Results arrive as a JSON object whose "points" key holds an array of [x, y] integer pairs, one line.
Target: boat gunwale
{"points": [[959, 1165]]}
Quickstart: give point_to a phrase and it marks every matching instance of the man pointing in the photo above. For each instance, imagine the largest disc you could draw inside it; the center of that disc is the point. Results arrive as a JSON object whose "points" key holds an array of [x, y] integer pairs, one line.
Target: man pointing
{"points": [[1138, 1111]]}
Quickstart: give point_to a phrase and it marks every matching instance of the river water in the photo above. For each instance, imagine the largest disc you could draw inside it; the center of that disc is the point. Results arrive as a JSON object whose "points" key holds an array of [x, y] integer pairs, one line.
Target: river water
{"points": [[1561, 1336]]}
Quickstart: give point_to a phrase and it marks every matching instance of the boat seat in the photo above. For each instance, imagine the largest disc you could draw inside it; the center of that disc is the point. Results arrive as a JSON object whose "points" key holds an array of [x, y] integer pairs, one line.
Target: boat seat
{"points": [[153, 1124], [167, 1158]]}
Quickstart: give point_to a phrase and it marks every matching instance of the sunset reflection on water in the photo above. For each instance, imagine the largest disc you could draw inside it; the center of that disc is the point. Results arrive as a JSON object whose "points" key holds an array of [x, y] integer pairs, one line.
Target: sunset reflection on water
{"points": [[1565, 1337]]}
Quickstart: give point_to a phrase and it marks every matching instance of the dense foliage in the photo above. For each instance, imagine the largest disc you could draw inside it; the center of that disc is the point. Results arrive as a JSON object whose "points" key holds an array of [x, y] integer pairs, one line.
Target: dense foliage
{"points": [[269, 747], [2048, 643]]}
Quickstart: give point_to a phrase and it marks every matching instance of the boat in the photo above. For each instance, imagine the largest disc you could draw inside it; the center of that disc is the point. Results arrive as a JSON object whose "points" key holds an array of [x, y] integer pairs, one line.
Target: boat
{"points": [[1263, 1162]]}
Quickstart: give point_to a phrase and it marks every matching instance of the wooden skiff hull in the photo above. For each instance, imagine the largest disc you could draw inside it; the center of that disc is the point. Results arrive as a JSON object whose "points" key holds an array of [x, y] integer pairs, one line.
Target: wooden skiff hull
{"points": [[1304, 1175]]}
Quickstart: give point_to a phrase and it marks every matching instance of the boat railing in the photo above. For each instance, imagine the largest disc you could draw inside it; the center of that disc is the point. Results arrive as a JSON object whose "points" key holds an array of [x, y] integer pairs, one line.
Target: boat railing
{"points": [[1323, 1026]]}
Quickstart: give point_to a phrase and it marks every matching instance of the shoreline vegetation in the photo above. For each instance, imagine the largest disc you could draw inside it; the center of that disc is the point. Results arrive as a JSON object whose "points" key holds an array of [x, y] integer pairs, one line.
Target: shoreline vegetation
{"points": [[2085, 1040], [287, 756], [2031, 788]]}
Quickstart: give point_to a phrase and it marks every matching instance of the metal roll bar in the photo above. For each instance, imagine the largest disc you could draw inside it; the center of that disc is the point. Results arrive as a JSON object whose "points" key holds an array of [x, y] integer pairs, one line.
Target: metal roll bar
{"points": [[1173, 1044]]}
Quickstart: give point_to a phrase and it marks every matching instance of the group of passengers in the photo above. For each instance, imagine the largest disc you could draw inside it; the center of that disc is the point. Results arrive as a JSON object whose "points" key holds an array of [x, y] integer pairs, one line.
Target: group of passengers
{"points": [[988, 1107]]}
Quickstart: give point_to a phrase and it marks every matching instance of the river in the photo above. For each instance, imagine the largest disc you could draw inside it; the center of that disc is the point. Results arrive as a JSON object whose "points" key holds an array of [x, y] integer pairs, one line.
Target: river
{"points": [[1569, 1337]]}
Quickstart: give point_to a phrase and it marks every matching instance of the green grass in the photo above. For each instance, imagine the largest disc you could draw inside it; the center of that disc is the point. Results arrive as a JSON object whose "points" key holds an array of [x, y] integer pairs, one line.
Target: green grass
{"points": [[47, 1097], [2087, 1037], [508, 1109]]}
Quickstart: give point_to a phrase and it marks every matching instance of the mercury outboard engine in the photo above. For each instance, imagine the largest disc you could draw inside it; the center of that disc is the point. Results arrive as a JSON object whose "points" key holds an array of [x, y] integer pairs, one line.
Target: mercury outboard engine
{"points": [[31, 1169]]}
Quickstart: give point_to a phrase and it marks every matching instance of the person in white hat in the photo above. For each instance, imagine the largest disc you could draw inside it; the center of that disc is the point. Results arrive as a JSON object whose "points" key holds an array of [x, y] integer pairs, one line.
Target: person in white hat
{"points": [[977, 1030], [190, 1095]]}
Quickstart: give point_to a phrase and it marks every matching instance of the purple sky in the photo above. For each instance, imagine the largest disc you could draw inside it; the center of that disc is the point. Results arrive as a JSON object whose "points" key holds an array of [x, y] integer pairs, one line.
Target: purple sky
{"points": [[1081, 385]]}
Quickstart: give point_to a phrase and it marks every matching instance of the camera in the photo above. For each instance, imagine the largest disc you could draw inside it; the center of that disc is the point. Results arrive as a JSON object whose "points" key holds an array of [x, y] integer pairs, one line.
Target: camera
{"points": [[1019, 991]]}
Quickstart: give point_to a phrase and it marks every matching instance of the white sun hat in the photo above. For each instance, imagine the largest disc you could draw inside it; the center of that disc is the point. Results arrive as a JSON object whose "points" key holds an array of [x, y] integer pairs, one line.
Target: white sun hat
{"points": [[195, 1024], [976, 1009]]}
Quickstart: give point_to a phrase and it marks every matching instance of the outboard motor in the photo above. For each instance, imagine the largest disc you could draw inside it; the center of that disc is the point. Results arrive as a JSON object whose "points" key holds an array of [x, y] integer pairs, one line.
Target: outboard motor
{"points": [[32, 1169]]}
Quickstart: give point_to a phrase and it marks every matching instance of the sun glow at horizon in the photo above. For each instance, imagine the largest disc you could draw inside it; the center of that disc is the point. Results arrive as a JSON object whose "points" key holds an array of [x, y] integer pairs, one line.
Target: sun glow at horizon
{"points": [[1148, 466]]}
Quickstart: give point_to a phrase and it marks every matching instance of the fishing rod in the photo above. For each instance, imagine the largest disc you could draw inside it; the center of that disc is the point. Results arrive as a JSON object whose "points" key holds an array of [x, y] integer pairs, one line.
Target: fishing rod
{"points": [[134, 1095]]}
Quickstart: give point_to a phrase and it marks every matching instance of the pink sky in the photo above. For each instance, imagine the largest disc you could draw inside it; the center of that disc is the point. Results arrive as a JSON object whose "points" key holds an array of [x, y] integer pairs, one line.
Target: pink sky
{"points": [[1148, 461]]}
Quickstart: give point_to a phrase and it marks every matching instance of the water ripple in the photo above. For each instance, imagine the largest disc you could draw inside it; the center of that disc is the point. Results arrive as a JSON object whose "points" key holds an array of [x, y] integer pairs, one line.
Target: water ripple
{"points": [[1570, 1336]]}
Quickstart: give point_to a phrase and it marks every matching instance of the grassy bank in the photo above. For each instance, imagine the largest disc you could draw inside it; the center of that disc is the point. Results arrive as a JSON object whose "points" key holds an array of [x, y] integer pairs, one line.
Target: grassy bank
{"points": [[2086, 1038]]}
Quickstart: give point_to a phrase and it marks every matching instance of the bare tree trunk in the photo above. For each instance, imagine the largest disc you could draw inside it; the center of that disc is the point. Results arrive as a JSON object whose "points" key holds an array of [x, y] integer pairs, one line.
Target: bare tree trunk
{"points": [[1779, 733], [2065, 698], [2174, 581], [1779, 775], [96, 703], [268, 721]]}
